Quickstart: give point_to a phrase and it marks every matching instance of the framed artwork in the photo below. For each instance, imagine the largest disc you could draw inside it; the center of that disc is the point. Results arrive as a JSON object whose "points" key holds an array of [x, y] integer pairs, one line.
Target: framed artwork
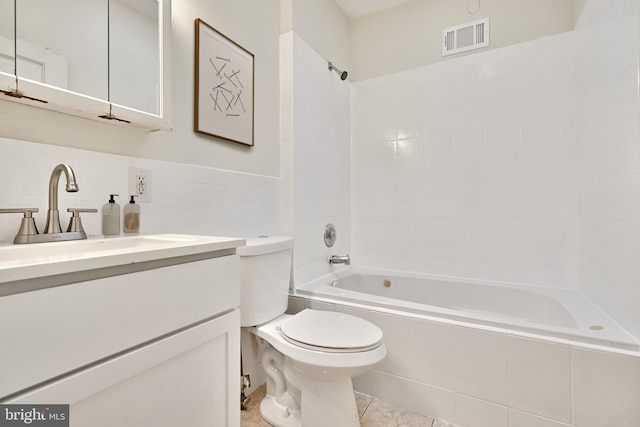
{"points": [[224, 78]]}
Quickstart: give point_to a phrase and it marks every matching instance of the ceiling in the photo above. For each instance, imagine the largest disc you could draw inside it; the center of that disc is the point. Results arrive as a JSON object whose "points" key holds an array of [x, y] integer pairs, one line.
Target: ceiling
{"points": [[357, 8]]}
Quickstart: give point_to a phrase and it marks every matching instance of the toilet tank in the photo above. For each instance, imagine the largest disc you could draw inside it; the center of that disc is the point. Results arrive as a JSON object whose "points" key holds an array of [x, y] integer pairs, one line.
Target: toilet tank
{"points": [[265, 272]]}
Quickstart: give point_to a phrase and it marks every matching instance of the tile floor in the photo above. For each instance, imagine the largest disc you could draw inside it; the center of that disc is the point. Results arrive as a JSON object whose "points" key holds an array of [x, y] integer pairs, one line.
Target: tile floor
{"points": [[373, 413]]}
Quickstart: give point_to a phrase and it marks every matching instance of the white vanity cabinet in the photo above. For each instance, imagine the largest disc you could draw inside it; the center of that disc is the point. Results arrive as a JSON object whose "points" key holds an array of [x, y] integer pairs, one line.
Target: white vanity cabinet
{"points": [[155, 346]]}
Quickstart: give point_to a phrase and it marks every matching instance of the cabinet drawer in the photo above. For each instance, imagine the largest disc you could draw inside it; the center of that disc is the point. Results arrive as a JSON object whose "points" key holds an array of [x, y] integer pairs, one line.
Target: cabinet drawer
{"points": [[189, 378], [50, 332]]}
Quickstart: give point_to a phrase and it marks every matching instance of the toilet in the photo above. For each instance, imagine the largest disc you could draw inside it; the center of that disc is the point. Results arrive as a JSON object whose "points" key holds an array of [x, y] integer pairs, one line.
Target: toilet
{"points": [[312, 355]]}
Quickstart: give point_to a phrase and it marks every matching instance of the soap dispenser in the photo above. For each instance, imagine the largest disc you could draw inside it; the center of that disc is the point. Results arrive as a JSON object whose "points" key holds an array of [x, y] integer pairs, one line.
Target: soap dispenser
{"points": [[111, 217], [131, 223]]}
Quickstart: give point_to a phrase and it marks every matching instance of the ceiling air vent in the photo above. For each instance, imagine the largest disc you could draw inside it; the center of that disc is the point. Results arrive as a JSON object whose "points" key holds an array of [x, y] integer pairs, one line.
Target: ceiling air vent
{"points": [[462, 38]]}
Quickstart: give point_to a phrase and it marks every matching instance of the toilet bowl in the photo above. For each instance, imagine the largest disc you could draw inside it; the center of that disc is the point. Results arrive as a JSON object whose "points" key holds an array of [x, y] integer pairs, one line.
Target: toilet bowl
{"points": [[311, 356], [309, 368]]}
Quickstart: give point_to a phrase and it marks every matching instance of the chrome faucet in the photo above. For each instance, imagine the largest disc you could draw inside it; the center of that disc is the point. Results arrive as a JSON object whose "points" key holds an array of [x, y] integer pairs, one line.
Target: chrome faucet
{"points": [[28, 232], [53, 216], [337, 259]]}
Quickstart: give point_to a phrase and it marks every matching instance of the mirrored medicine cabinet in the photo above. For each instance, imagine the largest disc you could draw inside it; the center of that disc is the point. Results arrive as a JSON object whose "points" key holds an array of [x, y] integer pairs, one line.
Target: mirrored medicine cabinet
{"points": [[106, 60]]}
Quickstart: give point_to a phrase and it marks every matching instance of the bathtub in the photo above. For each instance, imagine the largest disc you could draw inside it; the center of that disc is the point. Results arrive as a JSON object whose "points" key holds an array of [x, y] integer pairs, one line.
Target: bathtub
{"points": [[550, 313]]}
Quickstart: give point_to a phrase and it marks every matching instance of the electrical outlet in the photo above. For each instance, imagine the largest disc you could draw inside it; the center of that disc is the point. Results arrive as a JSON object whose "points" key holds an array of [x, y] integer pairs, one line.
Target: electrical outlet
{"points": [[140, 184]]}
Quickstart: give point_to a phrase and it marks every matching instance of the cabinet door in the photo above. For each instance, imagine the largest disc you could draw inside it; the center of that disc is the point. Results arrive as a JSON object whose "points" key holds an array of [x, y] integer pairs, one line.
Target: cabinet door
{"points": [[83, 323], [187, 379]]}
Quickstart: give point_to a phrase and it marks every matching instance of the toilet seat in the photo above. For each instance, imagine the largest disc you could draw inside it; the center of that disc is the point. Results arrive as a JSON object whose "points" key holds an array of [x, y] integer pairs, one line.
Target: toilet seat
{"points": [[316, 356], [330, 332]]}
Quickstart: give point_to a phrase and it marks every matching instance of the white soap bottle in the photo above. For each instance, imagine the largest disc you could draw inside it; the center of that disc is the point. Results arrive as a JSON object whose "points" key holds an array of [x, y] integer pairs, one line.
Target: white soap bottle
{"points": [[111, 217], [131, 224]]}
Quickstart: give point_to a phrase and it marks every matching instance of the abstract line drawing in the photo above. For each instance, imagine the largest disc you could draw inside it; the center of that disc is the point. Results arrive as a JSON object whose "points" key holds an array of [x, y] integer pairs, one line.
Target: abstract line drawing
{"points": [[224, 87]]}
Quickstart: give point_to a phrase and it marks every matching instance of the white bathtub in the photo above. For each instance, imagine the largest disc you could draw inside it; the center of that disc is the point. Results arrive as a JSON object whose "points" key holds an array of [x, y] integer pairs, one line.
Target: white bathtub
{"points": [[564, 314]]}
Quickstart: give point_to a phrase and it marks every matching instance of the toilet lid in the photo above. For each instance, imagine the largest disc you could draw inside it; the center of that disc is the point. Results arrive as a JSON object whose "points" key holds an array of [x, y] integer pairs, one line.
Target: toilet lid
{"points": [[330, 331]]}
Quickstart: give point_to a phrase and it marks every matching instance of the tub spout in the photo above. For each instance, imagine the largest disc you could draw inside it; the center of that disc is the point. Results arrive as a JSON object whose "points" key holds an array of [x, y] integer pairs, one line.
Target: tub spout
{"points": [[339, 259]]}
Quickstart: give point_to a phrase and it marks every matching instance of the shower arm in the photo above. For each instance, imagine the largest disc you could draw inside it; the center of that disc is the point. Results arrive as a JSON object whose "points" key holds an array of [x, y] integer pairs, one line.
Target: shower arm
{"points": [[342, 74]]}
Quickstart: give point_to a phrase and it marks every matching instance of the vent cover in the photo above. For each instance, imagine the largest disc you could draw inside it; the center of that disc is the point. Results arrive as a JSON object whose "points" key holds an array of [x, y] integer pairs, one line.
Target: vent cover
{"points": [[462, 38]]}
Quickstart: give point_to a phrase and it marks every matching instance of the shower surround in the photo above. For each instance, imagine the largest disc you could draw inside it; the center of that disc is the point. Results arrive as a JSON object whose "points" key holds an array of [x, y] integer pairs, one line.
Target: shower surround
{"points": [[519, 164]]}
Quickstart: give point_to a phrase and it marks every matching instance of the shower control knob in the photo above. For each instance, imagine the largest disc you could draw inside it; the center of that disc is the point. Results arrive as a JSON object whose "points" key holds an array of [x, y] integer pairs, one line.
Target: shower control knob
{"points": [[330, 235]]}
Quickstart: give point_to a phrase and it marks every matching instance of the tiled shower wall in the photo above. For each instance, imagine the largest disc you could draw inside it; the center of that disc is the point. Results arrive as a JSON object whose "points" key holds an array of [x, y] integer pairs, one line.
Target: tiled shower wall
{"points": [[607, 52], [469, 167], [316, 113], [519, 164], [185, 198]]}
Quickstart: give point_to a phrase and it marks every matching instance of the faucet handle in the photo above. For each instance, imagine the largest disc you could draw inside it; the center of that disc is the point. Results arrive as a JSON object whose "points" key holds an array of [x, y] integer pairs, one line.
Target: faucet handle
{"points": [[27, 211], [75, 224], [76, 211], [28, 224]]}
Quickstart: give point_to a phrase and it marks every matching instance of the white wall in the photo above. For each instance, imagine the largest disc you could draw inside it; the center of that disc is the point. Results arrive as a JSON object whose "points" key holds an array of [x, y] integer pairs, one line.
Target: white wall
{"points": [[410, 35], [324, 27], [254, 24]]}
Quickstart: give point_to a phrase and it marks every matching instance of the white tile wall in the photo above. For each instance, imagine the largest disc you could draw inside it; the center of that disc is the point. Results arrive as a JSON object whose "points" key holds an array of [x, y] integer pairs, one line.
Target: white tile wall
{"points": [[431, 353], [479, 413], [396, 332], [286, 130], [468, 166], [390, 388], [186, 199], [608, 129], [540, 378], [480, 360], [523, 419], [432, 401], [319, 125], [606, 389]]}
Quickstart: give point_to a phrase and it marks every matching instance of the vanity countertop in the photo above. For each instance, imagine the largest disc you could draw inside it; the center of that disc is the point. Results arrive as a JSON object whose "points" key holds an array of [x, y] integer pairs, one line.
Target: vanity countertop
{"points": [[37, 261]]}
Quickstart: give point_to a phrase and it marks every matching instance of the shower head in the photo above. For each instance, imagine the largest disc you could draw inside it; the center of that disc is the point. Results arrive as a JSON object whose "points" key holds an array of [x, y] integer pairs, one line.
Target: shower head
{"points": [[342, 74]]}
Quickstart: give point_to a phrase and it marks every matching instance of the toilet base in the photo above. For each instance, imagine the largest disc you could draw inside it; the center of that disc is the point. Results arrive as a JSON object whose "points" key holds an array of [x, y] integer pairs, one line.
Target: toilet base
{"points": [[329, 405], [278, 415], [299, 396]]}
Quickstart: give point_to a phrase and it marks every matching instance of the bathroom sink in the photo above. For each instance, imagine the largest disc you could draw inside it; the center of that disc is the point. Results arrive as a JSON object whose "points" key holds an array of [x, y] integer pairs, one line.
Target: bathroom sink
{"points": [[22, 262]]}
